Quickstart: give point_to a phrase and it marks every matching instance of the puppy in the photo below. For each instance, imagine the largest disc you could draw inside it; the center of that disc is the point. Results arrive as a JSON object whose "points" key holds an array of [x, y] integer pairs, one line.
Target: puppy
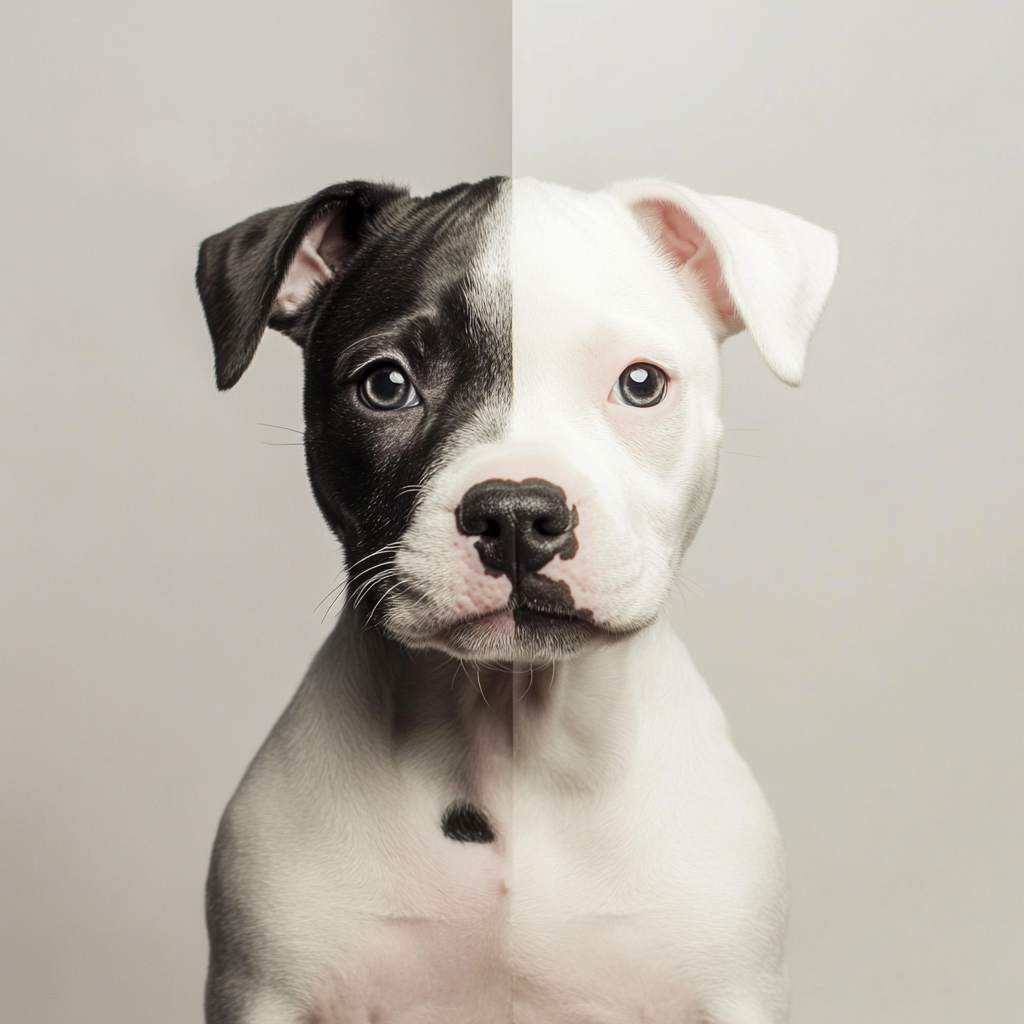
{"points": [[503, 792]]}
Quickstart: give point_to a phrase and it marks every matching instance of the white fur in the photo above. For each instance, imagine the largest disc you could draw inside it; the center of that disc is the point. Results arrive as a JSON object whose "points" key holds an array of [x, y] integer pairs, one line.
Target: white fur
{"points": [[777, 268], [636, 873]]}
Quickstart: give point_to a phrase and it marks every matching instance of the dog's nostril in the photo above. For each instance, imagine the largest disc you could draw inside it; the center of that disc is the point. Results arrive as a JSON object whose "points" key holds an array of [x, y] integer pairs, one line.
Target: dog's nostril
{"points": [[548, 527], [491, 528]]}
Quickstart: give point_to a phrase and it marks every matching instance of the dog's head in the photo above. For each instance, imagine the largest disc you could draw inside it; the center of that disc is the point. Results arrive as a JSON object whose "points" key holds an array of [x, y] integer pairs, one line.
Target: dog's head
{"points": [[512, 389]]}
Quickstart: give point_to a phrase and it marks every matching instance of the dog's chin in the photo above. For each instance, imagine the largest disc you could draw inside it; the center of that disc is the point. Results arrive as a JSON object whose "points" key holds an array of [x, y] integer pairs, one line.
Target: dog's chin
{"points": [[520, 635]]}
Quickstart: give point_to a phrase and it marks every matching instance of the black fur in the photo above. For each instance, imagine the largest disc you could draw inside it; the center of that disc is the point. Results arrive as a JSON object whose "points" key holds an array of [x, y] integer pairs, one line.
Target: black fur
{"points": [[403, 292], [466, 823], [240, 270]]}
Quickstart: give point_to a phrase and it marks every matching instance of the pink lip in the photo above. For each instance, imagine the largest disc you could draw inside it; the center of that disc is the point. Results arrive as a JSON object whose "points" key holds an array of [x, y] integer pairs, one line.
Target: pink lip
{"points": [[499, 625]]}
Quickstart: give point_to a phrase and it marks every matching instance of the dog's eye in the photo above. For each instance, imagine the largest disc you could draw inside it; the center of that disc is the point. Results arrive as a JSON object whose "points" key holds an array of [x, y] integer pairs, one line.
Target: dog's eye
{"points": [[641, 384], [386, 386]]}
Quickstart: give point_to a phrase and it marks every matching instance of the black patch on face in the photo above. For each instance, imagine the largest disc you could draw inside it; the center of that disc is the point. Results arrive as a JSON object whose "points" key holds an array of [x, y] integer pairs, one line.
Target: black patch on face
{"points": [[465, 823], [405, 300], [403, 297]]}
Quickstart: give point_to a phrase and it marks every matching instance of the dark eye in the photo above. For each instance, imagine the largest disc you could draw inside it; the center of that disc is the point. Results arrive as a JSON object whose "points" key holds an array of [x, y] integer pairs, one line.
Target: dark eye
{"points": [[641, 384], [387, 386]]}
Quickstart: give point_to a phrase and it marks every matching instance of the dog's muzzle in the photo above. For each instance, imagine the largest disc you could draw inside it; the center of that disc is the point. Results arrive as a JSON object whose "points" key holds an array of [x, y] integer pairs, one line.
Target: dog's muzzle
{"points": [[521, 527]]}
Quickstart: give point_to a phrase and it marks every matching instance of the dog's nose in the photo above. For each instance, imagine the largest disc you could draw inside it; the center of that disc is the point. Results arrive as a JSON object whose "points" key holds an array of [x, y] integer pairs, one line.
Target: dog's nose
{"points": [[521, 526]]}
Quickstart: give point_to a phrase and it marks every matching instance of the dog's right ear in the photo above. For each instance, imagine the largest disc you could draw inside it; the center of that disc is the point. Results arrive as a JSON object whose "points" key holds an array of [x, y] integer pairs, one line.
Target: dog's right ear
{"points": [[271, 269]]}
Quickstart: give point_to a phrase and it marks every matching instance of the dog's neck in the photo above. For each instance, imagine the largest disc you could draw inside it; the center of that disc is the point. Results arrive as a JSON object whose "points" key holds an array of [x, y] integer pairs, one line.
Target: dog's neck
{"points": [[570, 722]]}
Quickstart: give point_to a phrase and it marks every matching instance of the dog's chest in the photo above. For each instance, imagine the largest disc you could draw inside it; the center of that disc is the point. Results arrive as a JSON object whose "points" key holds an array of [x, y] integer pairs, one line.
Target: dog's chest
{"points": [[597, 899], [529, 931], [596, 923]]}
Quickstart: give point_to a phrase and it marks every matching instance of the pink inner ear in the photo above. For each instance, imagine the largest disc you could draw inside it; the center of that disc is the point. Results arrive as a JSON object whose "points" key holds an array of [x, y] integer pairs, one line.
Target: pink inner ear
{"points": [[320, 255], [688, 246]]}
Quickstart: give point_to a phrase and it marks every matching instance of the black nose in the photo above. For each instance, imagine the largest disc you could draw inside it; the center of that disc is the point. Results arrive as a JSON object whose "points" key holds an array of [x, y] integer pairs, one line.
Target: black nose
{"points": [[521, 526]]}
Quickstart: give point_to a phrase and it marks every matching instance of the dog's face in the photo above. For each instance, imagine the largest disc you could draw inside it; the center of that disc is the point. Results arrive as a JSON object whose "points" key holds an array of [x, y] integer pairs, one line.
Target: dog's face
{"points": [[513, 389]]}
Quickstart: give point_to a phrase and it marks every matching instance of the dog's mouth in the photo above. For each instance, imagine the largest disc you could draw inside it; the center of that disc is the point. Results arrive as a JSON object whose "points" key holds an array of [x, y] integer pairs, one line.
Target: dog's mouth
{"points": [[522, 629], [520, 613], [538, 622]]}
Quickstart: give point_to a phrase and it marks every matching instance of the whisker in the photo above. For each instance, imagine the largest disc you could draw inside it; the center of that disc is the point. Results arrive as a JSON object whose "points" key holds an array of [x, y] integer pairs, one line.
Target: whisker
{"points": [[694, 583], [341, 593], [480, 687], [380, 550], [370, 582], [330, 607], [378, 604], [382, 572], [367, 585], [354, 576], [328, 594], [462, 665], [278, 427], [369, 568], [528, 688], [352, 598]]}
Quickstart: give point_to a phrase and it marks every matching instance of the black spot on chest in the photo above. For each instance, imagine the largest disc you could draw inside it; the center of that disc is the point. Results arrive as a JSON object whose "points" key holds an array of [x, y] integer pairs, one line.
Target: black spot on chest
{"points": [[466, 824]]}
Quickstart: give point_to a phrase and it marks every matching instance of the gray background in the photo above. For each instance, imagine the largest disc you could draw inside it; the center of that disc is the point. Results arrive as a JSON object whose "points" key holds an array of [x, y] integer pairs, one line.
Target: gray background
{"points": [[861, 611], [161, 564], [853, 597]]}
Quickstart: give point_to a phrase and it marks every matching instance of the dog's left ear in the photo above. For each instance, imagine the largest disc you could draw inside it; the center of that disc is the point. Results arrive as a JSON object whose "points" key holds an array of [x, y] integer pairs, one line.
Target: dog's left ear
{"points": [[759, 267], [270, 269]]}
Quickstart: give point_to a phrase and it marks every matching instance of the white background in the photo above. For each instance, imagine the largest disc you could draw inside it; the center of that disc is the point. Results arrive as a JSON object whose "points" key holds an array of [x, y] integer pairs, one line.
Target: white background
{"points": [[854, 597]]}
